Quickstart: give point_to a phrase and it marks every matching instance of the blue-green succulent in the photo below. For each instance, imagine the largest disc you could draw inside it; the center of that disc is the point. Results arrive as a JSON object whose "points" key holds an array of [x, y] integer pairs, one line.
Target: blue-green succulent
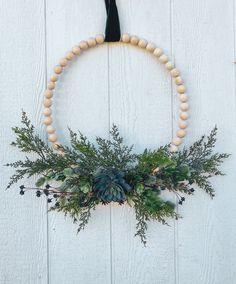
{"points": [[110, 185]]}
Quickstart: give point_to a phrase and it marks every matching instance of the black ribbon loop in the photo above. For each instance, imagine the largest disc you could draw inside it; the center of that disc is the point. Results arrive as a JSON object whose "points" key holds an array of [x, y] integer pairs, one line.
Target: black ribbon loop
{"points": [[112, 33]]}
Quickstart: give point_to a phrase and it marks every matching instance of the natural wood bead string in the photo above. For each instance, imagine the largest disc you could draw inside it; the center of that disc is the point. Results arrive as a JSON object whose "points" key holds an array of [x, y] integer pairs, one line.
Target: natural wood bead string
{"points": [[126, 39]]}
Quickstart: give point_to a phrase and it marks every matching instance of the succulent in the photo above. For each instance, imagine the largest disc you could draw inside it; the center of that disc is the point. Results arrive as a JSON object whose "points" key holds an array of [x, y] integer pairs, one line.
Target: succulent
{"points": [[110, 185]]}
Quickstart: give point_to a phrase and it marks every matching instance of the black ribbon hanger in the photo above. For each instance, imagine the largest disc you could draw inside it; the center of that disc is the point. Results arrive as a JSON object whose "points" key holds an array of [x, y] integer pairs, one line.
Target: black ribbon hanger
{"points": [[112, 33]]}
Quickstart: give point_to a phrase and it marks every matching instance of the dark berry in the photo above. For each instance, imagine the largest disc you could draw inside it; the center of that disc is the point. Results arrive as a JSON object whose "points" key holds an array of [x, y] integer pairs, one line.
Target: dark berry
{"points": [[180, 202], [46, 192], [163, 188], [38, 193], [182, 198], [57, 204], [192, 190], [47, 186], [22, 187], [55, 195], [22, 192], [49, 200]]}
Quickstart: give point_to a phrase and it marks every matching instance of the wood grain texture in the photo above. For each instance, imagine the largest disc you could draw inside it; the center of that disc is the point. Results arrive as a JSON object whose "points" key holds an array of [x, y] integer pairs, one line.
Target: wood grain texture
{"points": [[81, 102], [23, 221], [203, 44], [128, 87]]}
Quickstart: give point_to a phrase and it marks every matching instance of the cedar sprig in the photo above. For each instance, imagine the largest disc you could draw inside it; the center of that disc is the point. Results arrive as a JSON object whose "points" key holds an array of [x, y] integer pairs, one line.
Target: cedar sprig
{"points": [[202, 162]]}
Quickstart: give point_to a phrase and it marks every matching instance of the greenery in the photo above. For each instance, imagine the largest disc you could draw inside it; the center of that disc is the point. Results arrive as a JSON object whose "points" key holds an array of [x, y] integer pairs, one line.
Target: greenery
{"points": [[88, 174]]}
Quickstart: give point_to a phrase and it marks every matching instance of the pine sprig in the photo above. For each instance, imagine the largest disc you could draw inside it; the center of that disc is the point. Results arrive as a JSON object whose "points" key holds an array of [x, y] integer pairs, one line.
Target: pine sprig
{"points": [[150, 206], [142, 220], [107, 153], [202, 162], [27, 141]]}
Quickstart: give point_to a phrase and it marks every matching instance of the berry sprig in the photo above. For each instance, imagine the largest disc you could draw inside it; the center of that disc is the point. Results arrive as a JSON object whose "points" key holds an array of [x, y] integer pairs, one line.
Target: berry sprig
{"points": [[181, 198], [49, 191]]}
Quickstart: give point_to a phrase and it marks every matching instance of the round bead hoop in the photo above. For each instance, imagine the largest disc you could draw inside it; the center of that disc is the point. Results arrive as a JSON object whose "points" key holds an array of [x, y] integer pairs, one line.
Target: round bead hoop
{"points": [[126, 39]]}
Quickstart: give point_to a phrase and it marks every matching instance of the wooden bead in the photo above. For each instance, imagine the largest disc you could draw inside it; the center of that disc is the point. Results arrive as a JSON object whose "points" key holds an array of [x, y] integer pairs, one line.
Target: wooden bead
{"points": [[184, 115], [169, 66], [183, 98], [76, 50], [48, 94], [63, 62], [150, 47], [184, 106], [100, 39], [178, 81], [158, 52], [91, 42], [56, 145], [83, 45], [181, 89], [181, 133], [177, 141], [174, 72], [173, 148], [58, 69], [142, 43], [51, 85], [50, 129], [183, 124], [70, 55], [54, 78], [125, 38], [47, 111], [48, 120], [134, 40], [163, 59], [47, 102], [52, 137]]}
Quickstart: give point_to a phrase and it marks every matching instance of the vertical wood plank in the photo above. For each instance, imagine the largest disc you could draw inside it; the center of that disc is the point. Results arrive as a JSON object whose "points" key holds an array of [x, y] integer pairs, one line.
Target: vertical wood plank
{"points": [[23, 220], [140, 99], [81, 102], [204, 50]]}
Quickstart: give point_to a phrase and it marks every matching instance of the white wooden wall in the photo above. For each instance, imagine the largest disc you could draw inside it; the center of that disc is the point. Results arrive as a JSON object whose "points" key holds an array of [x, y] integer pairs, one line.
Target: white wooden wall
{"points": [[128, 87]]}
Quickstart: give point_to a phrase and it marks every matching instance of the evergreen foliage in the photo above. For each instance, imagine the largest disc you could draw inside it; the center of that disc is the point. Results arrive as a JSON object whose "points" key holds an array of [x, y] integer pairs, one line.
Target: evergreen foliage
{"points": [[108, 171]]}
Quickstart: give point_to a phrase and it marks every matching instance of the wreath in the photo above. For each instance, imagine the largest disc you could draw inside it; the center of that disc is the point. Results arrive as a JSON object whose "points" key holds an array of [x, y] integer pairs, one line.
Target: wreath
{"points": [[77, 178]]}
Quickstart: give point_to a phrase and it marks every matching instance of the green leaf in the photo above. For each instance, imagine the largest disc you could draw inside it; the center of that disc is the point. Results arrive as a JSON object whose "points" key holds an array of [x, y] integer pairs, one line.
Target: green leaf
{"points": [[64, 186], [150, 160], [86, 188], [75, 188], [68, 172], [140, 188], [184, 169], [40, 182], [60, 176], [151, 180]]}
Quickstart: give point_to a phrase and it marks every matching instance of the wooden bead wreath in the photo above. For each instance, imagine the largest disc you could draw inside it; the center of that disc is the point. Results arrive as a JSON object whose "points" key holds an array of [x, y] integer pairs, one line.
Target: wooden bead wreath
{"points": [[127, 39], [76, 179]]}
